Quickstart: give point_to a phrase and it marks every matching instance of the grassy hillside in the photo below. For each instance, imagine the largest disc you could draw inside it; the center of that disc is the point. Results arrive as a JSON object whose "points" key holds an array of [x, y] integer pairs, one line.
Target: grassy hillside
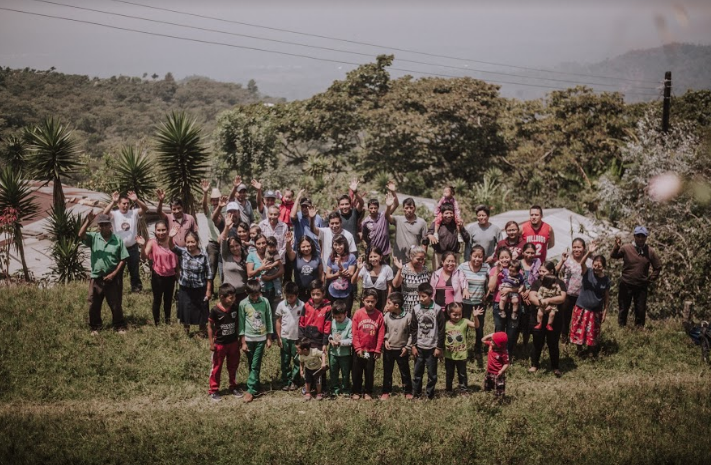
{"points": [[67, 397]]}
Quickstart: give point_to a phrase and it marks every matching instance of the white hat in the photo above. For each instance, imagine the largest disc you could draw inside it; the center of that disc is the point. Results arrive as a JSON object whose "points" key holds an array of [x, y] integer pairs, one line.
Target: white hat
{"points": [[232, 206], [215, 194]]}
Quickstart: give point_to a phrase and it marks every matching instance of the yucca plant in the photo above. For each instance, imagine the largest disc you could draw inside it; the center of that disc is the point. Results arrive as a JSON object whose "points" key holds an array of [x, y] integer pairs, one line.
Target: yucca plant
{"points": [[53, 155], [182, 159], [66, 252], [17, 199], [14, 153], [135, 172]]}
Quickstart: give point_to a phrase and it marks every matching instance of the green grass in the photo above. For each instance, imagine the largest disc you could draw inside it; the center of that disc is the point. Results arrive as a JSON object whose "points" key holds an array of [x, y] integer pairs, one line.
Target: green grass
{"points": [[68, 397]]}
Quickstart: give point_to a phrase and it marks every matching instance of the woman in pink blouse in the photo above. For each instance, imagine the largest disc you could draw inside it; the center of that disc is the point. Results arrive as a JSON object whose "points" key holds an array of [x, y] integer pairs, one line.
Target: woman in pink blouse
{"points": [[449, 282], [163, 263]]}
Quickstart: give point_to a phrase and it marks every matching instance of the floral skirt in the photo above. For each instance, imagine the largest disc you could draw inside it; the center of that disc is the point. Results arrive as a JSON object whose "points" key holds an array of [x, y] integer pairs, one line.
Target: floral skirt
{"points": [[585, 327]]}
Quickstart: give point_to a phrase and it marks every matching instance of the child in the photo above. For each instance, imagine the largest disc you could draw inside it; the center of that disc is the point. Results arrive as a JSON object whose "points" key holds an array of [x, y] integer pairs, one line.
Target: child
{"points": [[339, 355], [398, 345], [270, 256], [549, 288], [455, 344], [497, 363], [312, 363], [222, 333], [511, 278], [287, 315], [315, 321], [255, 327], [447, 197], [427, 329], [254, 231], [287, 203], [368, 336]]}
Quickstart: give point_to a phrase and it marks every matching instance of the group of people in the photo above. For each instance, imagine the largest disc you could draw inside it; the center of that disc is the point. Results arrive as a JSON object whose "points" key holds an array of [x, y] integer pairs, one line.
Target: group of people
{"points": [[292, 279]]}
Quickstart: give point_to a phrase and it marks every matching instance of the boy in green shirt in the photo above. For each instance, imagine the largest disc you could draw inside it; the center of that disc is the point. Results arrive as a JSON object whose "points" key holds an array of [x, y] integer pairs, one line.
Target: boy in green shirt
{"points": [[339, 353], [256, 328], [108, 257]]}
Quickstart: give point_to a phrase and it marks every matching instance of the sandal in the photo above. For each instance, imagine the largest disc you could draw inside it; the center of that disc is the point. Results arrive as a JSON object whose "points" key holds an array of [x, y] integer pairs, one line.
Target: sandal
{"points": [[532, 369]]}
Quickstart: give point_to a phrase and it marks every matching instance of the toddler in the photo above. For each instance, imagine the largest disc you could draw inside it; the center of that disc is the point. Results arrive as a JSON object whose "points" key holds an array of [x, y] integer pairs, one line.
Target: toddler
{"points": [[313, 367], [549, 289], [497, 363], [511, 278], [447, 197], [455, 345], [270, 256]]}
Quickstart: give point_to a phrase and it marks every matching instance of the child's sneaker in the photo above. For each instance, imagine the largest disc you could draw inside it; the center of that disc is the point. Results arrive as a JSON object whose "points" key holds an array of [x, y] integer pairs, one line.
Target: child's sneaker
{"points": [[319, 396], [355, 397], [367, 397], [237, 393], [307, 397], [538, 326], [385, 396], [549, 328], [287, 387], [248, 397], [215, 397], [409, 396]]}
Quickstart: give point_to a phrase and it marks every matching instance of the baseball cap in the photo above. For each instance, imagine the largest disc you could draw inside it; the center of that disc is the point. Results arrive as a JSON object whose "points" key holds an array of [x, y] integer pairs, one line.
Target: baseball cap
{"points": [[305, 201], [232, 206], [103, 219], [500, 339], [641, 230], [215, 194], [241, 187], [270, 195]]}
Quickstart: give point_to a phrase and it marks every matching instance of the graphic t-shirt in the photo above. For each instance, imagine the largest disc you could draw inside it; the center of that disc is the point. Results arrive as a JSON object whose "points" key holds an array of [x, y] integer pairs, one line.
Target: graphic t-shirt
{"points": [[538, 237], [225, 322], [340, 287], [592, 293], [455, 342], [255, 319], [306, 270], [289, 318], [126, 225]]}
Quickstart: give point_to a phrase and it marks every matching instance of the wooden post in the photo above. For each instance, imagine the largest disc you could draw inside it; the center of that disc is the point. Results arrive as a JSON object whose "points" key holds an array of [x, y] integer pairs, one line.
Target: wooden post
{"points": [[667, 101]]}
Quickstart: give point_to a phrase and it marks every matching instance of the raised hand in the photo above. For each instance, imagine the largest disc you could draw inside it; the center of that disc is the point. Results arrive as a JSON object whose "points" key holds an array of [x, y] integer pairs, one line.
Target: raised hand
{"points": [[90, 216], [205, 185], [312, 212], [132, 196], [564, 255], [391, 186], [140, 241], [229, 221], [360, 261], [238, 180], [174, 231], [256, 184], [354, 185], [115, 197], [160, 194], [223, 201], [389, 200], [478, 311], [397, 262], [289, 237], [592, 247], [618, 242], [301, 194]]}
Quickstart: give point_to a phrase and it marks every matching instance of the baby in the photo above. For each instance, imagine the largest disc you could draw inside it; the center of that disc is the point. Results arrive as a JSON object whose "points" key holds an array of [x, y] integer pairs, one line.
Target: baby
{"points": [[511, 278]]}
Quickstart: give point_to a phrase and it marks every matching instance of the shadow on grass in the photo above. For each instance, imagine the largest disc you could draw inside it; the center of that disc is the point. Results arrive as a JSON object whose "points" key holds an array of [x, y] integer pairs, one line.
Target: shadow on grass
{"points": [[137, 320]]}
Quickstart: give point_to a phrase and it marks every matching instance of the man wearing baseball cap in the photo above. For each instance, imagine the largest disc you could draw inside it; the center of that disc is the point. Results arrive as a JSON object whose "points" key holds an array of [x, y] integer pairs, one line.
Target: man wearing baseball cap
{"points": [[637, 258], [108, 258], [239, 195], [215, 224]]}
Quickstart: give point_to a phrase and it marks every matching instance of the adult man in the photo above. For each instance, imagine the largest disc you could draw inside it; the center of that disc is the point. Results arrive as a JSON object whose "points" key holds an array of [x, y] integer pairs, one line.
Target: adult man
{"points": [[483, 233], [108, 258], [350, 207], [212, 210], [409, 229], [376, 229], [239, 195], [448, 234], [301, 221], [326, 235], [264, 201], [125, 226], [271, 226], [635, 278], [537, 232], [186, 223]]}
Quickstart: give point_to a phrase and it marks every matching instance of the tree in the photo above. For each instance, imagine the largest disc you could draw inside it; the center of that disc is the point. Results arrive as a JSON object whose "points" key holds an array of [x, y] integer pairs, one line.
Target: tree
{"points": [[181, 157], [252, 87], [53, 155], [14, 153], [135, 172], [17, 199]]}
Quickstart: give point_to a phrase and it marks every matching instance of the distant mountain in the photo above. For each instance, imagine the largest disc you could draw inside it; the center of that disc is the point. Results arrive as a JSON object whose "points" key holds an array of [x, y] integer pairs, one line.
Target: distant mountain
{"points": [[690, 66]]}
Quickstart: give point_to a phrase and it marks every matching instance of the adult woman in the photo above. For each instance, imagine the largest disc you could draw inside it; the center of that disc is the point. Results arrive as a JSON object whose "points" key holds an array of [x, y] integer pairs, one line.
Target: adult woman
{"points": [[234, 261], [591, 307], [541, 334], [570, 269], [449, 282], [411, 275], [243, 234], [476, 273], [163, 268], [195, 284], [307, 264], [339, 270], [530, 265], [257, 266], [514, 242], [375, 274]]}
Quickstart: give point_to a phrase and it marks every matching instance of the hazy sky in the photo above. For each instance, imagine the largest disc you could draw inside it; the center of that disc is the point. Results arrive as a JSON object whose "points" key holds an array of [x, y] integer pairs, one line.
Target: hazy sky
{"points": [[524, 33]]}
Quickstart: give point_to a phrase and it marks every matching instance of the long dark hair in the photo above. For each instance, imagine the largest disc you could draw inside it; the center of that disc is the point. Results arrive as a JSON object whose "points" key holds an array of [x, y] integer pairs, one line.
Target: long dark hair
{"points": [[237, 240], [305, 238], [374, 249], [341, 239]]}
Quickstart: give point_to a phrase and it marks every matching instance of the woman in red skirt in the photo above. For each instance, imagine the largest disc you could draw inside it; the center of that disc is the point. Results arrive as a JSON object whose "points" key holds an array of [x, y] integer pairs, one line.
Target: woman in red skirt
{"points": [[591, 307]]}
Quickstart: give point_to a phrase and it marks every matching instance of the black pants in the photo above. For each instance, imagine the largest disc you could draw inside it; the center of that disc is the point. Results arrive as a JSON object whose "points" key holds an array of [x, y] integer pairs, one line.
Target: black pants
{"points": [[467, 310], [134, 264], [461, 367], [213, 258], [514, 328], [163, 288], [542, 337], [566, 314], [624, 300], [361, 366], [112, 291], [390, 357], [425, 358]]}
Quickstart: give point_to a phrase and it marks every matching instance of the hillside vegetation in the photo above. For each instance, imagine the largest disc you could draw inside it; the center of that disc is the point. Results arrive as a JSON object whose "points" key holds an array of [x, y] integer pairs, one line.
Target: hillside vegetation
{"points": [[68, 397]]}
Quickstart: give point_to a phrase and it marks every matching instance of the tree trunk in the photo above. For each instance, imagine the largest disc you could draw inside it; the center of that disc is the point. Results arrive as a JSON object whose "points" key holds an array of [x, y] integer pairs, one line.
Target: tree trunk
{"points": [[58, 193], [21, 250]]}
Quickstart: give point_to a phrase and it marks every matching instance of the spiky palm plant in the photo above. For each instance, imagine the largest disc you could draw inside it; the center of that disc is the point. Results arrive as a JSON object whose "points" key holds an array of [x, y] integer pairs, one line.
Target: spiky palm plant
{"points": [[14, 153], [182, 159], [53, 154], [16, 194], [135, 172], [68, 257]]}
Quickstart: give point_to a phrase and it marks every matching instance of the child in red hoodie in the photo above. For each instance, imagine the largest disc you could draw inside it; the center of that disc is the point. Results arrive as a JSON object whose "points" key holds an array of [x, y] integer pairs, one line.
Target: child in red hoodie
{"points": [[315, 322], [497, 363], [368, 337]]}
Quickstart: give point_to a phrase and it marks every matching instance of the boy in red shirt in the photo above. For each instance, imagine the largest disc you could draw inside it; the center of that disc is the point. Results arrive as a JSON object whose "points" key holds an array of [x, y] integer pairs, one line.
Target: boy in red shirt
{"points": [[368, 338], [497, 363], [315, 322], [223, 336]]}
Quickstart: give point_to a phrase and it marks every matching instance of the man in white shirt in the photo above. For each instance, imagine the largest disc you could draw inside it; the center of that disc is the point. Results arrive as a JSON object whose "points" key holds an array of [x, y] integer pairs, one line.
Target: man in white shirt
{"points": [[326, 235], [125, 226]]}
